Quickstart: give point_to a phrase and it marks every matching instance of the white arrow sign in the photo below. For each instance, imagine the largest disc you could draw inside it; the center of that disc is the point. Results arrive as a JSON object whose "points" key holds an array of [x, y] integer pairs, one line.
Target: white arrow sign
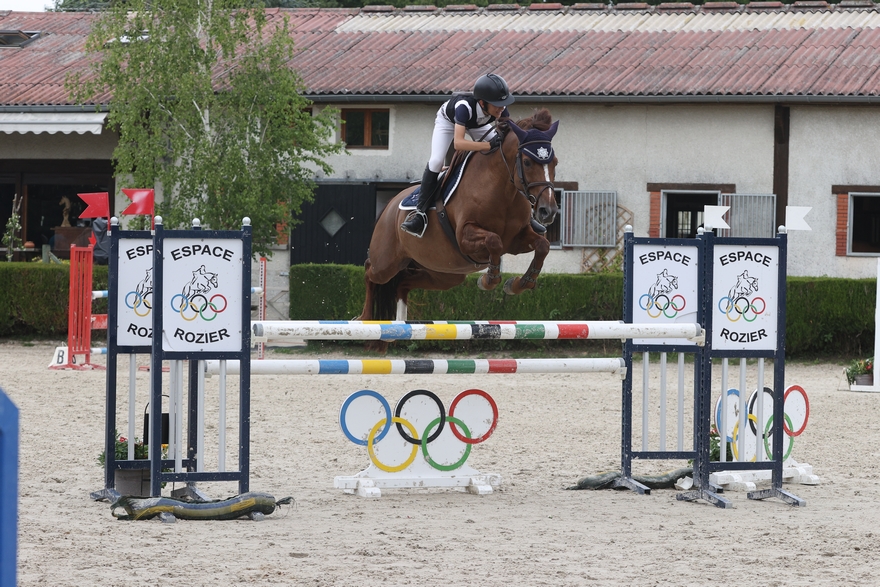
{"points": [[713, 217], [794, 217]]}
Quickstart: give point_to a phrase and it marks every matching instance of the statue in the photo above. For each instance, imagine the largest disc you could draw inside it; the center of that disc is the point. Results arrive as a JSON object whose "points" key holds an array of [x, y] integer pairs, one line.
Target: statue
{"points": [[65, 201]]}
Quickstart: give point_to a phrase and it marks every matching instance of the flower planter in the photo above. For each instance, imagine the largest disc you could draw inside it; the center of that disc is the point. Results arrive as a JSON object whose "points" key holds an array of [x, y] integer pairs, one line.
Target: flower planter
{"points": [[134, 482], [864, 380]]}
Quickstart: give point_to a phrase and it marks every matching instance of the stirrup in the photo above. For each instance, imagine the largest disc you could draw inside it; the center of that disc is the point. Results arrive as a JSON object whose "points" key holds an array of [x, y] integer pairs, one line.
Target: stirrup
{"points": [[413, 217], [538, 227]]}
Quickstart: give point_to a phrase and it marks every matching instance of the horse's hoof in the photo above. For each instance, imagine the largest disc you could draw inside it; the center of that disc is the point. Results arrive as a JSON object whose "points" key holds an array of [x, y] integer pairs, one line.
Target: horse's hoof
{"points": [[508, 286], [486, 284]]}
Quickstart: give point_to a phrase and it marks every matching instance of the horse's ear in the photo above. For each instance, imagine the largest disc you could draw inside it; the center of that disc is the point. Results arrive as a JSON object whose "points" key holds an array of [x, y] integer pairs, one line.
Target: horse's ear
{"points": [[552, 130], [520, 133]]}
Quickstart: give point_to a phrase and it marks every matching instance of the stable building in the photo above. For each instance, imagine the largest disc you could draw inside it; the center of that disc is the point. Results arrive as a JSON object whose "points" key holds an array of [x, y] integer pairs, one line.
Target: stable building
{"points": [[663, 110]]}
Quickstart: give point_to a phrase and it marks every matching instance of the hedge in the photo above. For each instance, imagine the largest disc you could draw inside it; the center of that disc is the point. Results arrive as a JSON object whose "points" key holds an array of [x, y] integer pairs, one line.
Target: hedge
{"points": [[34, 298], [824, 316]]}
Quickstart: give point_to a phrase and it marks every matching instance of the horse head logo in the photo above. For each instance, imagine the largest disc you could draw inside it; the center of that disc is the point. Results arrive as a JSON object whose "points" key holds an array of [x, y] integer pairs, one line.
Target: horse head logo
{"points": [[202, 282]]}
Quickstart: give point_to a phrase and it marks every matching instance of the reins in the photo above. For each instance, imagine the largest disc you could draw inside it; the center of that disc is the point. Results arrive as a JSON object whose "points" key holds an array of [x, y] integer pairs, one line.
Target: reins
{"points": [[443, 216]]}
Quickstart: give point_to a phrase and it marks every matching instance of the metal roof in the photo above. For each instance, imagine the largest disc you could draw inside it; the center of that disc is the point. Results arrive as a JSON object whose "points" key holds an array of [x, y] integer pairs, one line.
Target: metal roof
{"points": [[720, 51]]}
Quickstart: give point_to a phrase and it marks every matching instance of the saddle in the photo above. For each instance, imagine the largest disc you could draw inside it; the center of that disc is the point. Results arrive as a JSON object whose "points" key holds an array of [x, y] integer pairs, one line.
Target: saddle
{"points": [[448, 182]]}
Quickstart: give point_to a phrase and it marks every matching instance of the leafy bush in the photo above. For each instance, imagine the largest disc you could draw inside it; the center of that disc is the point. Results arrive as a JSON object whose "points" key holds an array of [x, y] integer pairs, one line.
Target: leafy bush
{"points": [[34, 298], [326, 292], [831, 316]]}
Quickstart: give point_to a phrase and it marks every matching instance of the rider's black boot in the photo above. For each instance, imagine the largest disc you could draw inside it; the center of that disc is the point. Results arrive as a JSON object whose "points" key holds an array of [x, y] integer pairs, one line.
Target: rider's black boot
{"points": [[417, 221], [538, 227]]}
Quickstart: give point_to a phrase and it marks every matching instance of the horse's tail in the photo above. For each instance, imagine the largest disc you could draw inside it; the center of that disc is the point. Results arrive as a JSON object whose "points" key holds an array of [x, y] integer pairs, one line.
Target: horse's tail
{"points": [[385, 298], [381, 304]]}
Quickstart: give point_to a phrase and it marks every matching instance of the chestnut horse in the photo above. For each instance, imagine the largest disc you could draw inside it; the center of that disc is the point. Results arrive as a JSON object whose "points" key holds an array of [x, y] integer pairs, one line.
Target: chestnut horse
{"points": [[490, 215]]}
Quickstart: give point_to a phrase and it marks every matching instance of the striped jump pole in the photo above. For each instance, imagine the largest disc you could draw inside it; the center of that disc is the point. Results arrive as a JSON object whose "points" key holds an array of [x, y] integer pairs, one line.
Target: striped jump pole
{"points": [[422, 366], [344, 330]]}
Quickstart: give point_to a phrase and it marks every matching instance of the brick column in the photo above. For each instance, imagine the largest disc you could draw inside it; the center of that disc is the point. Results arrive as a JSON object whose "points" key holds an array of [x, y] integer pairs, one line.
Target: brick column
{"points": [[842, 221], [654, 216]]}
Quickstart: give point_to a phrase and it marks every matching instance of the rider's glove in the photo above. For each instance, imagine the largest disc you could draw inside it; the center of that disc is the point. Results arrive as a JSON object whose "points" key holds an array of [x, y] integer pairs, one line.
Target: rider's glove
{"points": [[495, 143]]}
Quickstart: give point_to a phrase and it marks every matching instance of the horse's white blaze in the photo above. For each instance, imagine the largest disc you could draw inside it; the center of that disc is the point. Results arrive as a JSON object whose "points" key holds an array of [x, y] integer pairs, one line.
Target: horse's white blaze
{"points": [[547, 172]]}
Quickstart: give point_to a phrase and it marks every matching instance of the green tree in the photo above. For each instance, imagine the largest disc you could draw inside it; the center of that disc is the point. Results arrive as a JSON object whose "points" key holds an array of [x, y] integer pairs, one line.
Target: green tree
{"points": [[208, 109], [80, 5]]}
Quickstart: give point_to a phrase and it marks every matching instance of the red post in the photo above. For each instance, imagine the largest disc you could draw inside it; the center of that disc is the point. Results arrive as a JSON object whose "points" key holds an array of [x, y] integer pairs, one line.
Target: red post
{"points": [[80, 320]]}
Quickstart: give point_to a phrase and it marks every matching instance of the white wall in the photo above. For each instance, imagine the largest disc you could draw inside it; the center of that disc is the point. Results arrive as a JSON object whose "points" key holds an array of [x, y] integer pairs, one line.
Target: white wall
{"points": [[623, 148], [626, 147], [830, 145], [408, 150]]}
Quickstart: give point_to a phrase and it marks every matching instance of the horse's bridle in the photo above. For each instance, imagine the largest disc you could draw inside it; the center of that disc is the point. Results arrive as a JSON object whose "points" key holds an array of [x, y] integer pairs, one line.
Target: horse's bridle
{"points": [[520, 172]]}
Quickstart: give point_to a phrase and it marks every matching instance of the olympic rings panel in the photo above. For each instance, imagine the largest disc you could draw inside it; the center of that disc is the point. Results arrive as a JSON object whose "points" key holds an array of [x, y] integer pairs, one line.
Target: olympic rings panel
{"points": [[360, 411], [796, 413], [420, 407], [797, 406], [140, 303], [749, 445], [481, 404], [198, 305], [419, 430], [767, 400], [732, 413]]}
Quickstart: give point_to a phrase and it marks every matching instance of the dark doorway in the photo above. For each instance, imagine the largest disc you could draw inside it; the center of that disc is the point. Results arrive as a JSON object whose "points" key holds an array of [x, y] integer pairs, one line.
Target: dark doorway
{"points": [[684, 213], [336, 227]]}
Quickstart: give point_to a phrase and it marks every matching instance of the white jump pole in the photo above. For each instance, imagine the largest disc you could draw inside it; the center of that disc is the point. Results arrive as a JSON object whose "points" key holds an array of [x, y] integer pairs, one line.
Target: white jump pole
{"points": [[280, 330], [132, 383]]}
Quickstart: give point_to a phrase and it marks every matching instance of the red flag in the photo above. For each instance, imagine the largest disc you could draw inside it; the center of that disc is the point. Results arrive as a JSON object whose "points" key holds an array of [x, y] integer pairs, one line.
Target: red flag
{"points": [[141, 201], [97, 205]]}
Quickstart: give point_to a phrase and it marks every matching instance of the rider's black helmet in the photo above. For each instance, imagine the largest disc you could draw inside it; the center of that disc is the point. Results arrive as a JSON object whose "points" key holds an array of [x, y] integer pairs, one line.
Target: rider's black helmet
{"points": [[493, 89]]}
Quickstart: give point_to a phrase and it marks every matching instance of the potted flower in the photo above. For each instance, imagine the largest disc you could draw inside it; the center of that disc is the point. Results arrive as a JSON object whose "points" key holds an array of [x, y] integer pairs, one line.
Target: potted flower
{"points": [[130, 481], [860, 372]]}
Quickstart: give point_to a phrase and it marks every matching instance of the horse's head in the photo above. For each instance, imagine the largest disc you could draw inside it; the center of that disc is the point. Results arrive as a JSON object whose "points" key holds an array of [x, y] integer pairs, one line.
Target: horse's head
{"points": [[536, 169]]}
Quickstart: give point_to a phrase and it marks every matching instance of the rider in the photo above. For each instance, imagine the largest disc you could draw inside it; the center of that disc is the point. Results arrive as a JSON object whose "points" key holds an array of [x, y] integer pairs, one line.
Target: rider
{"points": [[471, 114]]}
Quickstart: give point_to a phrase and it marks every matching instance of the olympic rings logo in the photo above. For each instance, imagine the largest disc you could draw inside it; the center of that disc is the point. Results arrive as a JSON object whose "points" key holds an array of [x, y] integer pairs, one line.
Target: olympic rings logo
{"points": [[796, 414], [662, 304], [136, 301], [372, 434], [198, 305], [741, 307]]}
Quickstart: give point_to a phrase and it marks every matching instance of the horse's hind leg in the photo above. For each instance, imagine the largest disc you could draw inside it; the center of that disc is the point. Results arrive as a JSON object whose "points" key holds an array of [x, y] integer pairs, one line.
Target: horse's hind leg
{"points": [[423, 279], [369, 286]]}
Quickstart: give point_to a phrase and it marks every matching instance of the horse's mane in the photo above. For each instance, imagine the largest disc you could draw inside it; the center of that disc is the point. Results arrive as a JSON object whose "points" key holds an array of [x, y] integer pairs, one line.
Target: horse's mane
{"points": [[540, 120]]}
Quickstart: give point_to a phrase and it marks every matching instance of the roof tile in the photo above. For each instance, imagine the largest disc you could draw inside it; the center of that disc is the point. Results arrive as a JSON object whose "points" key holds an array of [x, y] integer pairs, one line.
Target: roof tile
{"points": [[587, 51]]}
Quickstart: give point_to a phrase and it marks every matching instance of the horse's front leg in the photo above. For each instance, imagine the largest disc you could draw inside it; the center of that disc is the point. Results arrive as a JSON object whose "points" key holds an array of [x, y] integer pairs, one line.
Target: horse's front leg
{"points": [[475, 242], [529, 280]]}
